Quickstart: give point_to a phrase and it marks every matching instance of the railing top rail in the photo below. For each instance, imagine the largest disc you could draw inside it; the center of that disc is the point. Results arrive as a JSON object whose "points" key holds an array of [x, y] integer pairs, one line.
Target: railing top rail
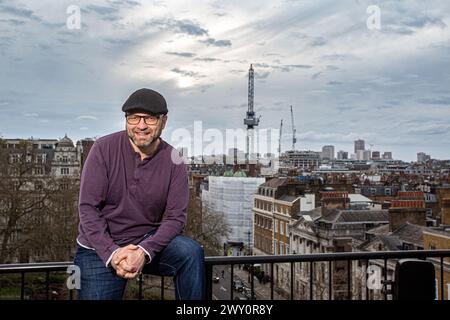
{"points": [[34, 267], [337, 256], [224, 260]]}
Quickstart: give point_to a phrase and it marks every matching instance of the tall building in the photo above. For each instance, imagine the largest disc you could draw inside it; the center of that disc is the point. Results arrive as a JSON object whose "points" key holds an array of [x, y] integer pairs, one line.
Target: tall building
{"points": [[359, 145], [66, 160], [376, 155], [363, 155], [387, 155], [300, 159], [342, 155], [328, 152], [422, 157]]}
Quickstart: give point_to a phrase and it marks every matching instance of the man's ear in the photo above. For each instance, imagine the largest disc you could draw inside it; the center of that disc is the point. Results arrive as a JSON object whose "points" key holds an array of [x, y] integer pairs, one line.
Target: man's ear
{"points": [[164, 120]]}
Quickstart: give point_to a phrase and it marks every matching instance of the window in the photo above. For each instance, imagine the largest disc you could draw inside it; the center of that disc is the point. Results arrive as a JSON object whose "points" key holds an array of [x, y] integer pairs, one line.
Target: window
{"points": [[275, 245], [64, 170], [282, 248], [38, 170], [387, 191], [282, 227], [65, 159], [38, 185], [276, 226]]}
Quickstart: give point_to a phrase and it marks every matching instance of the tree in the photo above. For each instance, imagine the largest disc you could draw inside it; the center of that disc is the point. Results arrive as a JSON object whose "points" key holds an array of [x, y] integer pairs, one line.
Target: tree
{"points": [[31, 206], [207, 228]]}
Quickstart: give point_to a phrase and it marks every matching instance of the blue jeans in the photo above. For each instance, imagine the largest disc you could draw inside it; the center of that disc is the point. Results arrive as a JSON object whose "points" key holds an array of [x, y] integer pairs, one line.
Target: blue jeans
{"points": [[183, 259]]}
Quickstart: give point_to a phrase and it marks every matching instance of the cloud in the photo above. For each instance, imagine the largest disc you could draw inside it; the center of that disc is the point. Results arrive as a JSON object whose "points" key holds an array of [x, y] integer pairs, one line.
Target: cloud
{"points": [[86, 118], [102, 10], [181, 54], [187, 73], [334, 83], [185, 26], [261, 75], [30, 114], [437, 101], [13, 22], [217, 43], [19, 12], [124, 3], [316, 75], [430, 129], [209, 59]]}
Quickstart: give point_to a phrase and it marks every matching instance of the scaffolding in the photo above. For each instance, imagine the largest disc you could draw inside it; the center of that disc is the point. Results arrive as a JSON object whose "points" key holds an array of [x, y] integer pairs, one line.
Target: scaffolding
{"points": [[232, 197]]}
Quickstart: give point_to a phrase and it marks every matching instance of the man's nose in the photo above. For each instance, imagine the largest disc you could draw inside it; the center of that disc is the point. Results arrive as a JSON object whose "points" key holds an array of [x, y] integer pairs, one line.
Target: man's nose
{"points": [[142, 124]]}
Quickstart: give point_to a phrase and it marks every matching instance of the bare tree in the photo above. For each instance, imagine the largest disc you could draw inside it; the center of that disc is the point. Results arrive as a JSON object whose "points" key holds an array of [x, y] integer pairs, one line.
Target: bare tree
{"points": [[31, 203], [207, 228]]}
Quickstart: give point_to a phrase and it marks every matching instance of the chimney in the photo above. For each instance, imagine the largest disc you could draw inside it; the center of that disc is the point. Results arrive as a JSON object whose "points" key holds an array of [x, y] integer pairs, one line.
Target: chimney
{"points": [[403, 211], [334, 200], [445, 211]]}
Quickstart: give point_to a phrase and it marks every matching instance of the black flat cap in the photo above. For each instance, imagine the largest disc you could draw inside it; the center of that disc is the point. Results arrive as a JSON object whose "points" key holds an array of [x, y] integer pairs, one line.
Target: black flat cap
{"points": [[146, 100]]}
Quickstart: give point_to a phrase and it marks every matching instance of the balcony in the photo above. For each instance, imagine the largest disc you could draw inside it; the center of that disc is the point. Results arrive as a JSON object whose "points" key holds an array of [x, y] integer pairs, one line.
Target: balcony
{"points": [[349, 260]]}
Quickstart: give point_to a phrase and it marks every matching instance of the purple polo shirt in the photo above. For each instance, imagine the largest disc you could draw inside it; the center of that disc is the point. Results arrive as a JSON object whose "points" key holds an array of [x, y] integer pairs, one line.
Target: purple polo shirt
{"points": [[123, 197]]}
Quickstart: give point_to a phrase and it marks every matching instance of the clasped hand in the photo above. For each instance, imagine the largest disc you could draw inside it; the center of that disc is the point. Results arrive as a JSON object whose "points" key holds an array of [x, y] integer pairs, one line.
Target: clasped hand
{"points": [[128, 261]]}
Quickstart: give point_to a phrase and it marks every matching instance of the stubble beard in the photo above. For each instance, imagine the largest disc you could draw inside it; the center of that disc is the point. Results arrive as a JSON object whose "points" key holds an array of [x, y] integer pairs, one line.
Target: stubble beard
{"points": [[140, 144]]}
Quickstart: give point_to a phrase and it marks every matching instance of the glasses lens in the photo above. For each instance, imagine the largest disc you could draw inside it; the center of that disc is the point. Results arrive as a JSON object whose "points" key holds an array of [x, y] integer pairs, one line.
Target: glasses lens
{"points": [[133, 119], [151, 120]]}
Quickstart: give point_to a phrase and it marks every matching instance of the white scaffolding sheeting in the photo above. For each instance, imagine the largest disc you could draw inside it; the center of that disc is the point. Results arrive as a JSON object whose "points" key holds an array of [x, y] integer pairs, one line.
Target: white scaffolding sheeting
{"points": [[232, 197]]}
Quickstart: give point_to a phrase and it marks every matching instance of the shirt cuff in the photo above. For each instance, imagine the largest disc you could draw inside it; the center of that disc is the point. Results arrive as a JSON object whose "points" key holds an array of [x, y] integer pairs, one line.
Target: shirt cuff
{"points": [[149, 257], [110, 257]]}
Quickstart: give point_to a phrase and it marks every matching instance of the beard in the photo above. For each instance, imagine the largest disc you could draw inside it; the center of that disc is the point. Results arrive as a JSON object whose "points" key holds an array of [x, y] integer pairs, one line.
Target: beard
{"points": [[143, 141]]}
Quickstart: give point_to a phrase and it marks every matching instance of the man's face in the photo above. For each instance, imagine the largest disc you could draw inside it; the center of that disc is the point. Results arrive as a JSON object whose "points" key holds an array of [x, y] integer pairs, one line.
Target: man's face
{"points": [[143, 128]]}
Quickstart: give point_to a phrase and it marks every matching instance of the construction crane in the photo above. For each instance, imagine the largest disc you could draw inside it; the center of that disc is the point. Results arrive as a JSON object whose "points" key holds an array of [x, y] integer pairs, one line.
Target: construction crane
{"points": [[294, 139], [279, 138], [250, 120]]}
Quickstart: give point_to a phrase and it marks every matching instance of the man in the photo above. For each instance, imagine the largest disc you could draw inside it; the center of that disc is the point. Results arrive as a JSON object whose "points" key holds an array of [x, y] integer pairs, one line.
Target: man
{"points": [[132, 206]]}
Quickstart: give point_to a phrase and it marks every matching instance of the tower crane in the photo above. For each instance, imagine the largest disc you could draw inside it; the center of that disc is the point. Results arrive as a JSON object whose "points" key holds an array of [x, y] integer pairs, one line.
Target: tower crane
{"points": [[294, 139], [279, 138]]}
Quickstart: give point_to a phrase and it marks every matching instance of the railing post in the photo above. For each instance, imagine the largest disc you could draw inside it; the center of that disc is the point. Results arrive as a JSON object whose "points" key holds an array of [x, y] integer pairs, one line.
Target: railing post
{"points": [[349, 280], [22, 286], [330, 280], [366, 279], [47, 284], [441, 282], [292, 280], [162, 287], [311, 266], [140, 279], [385, 277], [208, 286], [231, 282], [271, 281]]}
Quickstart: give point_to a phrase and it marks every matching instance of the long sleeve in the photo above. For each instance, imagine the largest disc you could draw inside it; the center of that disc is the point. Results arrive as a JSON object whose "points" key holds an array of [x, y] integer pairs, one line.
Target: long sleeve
{"points": [[93, 189], [174, 219]]}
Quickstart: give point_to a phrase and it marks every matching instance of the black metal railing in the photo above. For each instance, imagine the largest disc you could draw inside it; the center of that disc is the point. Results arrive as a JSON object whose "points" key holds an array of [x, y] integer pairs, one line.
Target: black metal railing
{"points": [[436, 256], [347, 257]]}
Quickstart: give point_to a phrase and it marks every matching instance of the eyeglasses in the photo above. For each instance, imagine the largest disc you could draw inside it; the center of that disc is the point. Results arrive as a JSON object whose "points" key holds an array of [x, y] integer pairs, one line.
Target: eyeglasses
{"points": [[134, 119]]}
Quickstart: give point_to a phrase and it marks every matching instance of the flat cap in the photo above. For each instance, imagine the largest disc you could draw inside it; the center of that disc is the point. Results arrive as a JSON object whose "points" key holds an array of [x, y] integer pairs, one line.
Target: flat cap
{"points": [[146, 100]]}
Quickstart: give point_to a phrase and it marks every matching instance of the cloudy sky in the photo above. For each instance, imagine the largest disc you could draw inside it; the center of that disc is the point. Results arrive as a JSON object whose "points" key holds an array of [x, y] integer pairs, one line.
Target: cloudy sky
{"points": [[345, 78]]}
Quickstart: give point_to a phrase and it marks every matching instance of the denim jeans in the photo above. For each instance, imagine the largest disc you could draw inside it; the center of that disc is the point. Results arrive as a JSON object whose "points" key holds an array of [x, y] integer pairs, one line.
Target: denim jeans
{"points": [[183, 259]]}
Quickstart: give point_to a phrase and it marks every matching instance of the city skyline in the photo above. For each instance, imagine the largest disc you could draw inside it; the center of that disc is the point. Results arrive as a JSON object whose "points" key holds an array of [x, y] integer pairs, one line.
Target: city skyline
{"points": [[345, 80]]}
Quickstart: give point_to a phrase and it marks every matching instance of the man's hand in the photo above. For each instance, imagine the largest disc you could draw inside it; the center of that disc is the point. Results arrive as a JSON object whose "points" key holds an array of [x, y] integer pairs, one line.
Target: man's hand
{"points": [[128, 261]]}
